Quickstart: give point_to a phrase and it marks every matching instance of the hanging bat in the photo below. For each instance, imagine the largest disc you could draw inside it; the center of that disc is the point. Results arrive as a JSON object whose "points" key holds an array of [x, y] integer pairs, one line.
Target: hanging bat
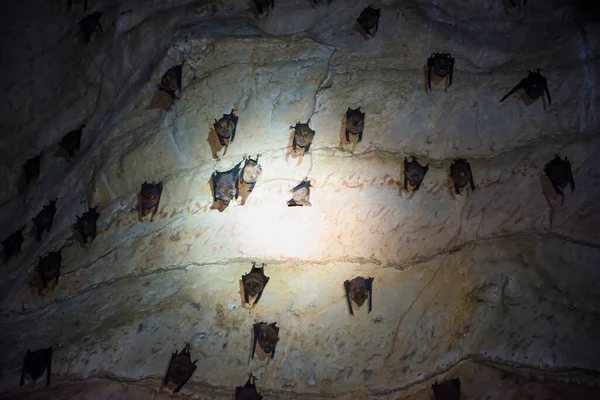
{"points": [[534, 85], [43, 221], [264, 5], [447, 390], [358, 290], [225, 185], [90, 24], [414, 173], [49, 268], [171, 80], [225, 128], [254, 283], [369, 20], [12, 244], [86, 224], [150, 198], [442, 64], [355, 123], [35, 364], [460, 172], [267, 337], [31, 168], [72, 141], [303, 136], [250, 172], [181, 368], [248, 391], [560, 174], [301, 195]]}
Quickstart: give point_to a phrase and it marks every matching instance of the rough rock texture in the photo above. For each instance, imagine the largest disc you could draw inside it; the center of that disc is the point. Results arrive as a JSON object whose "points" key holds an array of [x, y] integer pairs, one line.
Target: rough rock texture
{"points": [[500, 286]]}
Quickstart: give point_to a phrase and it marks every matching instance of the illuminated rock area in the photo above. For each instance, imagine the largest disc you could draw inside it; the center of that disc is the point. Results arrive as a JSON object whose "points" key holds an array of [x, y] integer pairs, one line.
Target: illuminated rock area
{"points": [[499, 286]]}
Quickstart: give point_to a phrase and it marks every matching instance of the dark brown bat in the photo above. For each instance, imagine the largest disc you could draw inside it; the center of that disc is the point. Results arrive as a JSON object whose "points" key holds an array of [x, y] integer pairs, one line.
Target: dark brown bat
{"points": [[31, 168], [72, 141], [460, 172], [225, 128], [43, 221], [12, 244], [534, 85], [49, 268], [369, 20], [267, 337], [251, 172], [150, 198], [355, 124], [414, 173], [226, 185], [358, 290], [442, 64], [264, 5], [181, 368], [560, 174], [248, 391], [90, 24], [254, 283], [171, 81], [70, 3], [303, 136], [36, 363], [301, 195], [86, 224], [447, 390], [315, 3]]}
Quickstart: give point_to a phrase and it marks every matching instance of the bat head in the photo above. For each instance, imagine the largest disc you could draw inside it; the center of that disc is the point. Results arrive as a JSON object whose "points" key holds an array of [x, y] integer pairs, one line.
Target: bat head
{"points": [[12, 244], [36, 362], [150, 195], [355, 120], [369, 18], [268, 337], [171, 80], [460, 172], [442, 63], [303, 134], [359, 291], [49, 266], [253, 283], [447, 390], [535, 84], [414, 171], [86, 224], [252, 171], [72, 140], [31, 168]]}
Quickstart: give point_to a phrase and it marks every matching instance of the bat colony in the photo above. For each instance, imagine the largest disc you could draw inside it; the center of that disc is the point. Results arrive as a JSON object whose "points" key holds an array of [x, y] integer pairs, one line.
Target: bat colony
{"points": [[226, 187]]}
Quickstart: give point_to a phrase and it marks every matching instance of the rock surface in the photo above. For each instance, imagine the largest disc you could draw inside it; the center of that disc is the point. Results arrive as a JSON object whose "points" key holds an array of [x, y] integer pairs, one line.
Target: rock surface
{"points": [[500, 286]]}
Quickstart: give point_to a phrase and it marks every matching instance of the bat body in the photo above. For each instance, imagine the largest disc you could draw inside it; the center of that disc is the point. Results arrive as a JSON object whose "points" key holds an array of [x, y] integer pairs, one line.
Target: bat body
{"points": [[171, 81], [43, 221], [534, 85], [461, 174], [251, 172], [315, 3], [150, 198], [355, 124], [248, 391], [447, 390], [303, 136], [181, 368], [369, 20], [12, 245], [254, 283], [359, 290], [72, 141], [560, 174], [266, 336], [225, 184], [49, 268], [226, 127], [301, 195], [86, 224], [441, 64], [31, 168], [35, 364], [414, 173], [90, 24], [264, 5]]}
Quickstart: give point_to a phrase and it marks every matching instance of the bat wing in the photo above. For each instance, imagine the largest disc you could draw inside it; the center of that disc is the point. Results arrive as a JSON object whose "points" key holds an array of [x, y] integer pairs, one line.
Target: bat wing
{"points": [[246, 297], [234, 118], [178, 388], [405, 177], [49, 361], [178, 71], [347, 289], [23, 369], [571, 180], [429, 67], [215, 179], [159, 188], [307, 148], [451, 72], [548, 94], [520, 85], [168, 374], [256, 333], [235, 177], [457, 189], [369, 284]]}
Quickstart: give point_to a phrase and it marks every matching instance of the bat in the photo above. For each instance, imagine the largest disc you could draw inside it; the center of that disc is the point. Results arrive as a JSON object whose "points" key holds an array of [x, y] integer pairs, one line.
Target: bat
{"points": [[225, 127], [414, 173], [460, 172], [72, 141], [181, 368], [534, 85], [447, 390], [90, 24], [49, 268], [266, 336], [250, 172], [301, 195], [355, 123], [225, 185], [12, 244], [264, 5], [442, 64], [36, 363], [369, 20], [254, 283], [358, 290], [248, 391], [560, 174], [31, 168], [150, 198], [86, 224], [171, 80], [43, 221], [303, 136]]}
